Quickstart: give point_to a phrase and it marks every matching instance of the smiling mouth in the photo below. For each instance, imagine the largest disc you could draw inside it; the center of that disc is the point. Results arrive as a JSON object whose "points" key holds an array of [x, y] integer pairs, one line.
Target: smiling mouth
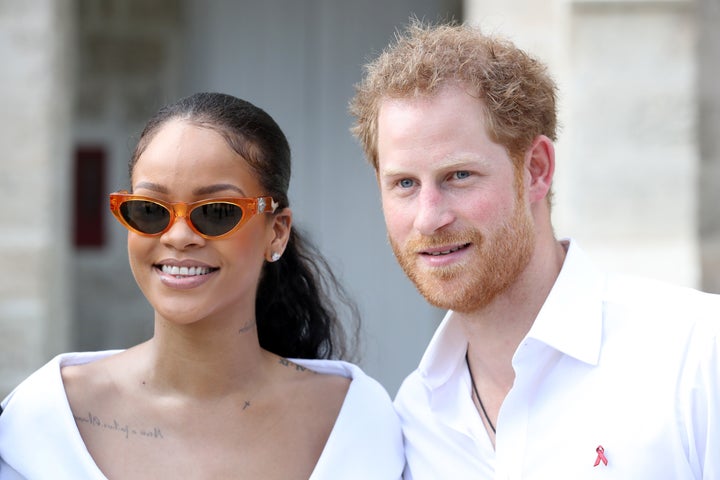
{"points": [[447, 252], [185, 271]]}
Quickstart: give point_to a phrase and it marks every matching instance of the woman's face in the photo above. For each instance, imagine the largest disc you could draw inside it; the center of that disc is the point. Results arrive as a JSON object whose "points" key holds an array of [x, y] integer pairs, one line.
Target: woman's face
{"points": [[217, 277]]}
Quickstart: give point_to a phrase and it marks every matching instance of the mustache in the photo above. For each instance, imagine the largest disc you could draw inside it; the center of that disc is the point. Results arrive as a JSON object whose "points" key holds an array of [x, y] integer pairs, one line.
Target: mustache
{"points": [[420, 243]]}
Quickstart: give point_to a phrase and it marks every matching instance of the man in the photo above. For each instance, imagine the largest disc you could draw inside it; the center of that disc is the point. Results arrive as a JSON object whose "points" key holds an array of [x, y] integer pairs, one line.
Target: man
{"points": [[544, 367]]}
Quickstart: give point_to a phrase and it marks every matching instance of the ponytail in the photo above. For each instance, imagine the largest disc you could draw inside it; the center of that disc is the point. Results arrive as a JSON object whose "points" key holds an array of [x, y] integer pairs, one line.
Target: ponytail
{"points": [[296, 303]]}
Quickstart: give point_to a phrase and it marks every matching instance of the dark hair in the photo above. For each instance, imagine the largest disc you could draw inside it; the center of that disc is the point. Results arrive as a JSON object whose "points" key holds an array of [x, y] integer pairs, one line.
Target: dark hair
{"points": [[296, 301]]}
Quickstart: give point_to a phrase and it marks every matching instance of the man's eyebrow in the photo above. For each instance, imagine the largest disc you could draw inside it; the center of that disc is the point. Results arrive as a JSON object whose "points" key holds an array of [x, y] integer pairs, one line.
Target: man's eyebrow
{"points": [[457, 162]]}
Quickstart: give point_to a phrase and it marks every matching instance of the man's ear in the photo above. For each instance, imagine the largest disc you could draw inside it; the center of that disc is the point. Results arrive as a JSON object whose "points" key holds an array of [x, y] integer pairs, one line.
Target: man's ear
{"points": [[282, 225], [540, 164]]}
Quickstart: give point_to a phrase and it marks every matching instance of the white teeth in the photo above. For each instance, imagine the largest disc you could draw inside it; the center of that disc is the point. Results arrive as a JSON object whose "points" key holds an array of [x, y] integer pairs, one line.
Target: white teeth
{"points": [[185, 271], [436, 254]]}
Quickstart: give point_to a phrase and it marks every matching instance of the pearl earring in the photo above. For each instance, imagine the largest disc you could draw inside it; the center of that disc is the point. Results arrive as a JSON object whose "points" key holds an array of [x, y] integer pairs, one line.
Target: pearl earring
{"points": [[275, 257]]}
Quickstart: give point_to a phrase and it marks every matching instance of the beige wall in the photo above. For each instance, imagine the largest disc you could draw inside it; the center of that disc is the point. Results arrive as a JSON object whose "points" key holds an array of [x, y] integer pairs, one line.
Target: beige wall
{"points": [[36, 52]]}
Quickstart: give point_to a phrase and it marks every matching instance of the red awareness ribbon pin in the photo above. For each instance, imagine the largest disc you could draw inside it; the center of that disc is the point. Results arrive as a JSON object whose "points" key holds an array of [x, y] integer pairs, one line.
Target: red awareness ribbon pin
{"points": [[601, 456]]}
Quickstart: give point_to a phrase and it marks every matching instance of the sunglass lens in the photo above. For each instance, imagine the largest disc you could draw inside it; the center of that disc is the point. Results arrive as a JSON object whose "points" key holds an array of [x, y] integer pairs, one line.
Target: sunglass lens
{"points": [[213, 219], [146, 217]]}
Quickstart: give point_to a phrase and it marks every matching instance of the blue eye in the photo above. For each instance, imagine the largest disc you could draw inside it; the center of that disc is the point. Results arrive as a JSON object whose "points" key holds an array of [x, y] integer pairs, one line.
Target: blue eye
{"points": [[462, 174], [406, 183]]}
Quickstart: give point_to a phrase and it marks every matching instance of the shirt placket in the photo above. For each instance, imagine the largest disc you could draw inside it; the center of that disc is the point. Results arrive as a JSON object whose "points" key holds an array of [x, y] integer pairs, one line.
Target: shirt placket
{"points": [[531, 362]]}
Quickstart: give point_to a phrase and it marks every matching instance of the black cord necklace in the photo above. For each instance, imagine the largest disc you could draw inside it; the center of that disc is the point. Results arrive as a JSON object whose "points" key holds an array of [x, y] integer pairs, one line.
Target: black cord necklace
{"points": [[477, 395]]}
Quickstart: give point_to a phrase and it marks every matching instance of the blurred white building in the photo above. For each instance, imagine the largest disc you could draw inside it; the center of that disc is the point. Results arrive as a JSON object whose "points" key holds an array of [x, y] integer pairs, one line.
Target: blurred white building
{"points": [[638, 173]]}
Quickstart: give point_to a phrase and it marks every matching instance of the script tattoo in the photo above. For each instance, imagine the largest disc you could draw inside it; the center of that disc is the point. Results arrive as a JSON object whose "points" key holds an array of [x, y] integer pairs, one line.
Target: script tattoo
{"points": [[247, 327], [287, 363], [115, 426]]}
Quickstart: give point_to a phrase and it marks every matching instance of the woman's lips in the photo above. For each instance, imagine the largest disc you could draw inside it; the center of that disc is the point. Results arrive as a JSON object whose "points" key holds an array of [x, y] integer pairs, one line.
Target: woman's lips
{"points": [[184, 276]]}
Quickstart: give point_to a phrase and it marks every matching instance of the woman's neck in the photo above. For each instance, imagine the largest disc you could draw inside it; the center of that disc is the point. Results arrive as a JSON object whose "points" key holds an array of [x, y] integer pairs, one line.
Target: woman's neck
{"points": [[205, 359]]}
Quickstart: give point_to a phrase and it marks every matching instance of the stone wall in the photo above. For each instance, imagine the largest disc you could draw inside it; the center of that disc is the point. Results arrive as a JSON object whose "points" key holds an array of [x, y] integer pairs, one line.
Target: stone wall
{"points": [[630, 193], [36, 53], [708, 18]]}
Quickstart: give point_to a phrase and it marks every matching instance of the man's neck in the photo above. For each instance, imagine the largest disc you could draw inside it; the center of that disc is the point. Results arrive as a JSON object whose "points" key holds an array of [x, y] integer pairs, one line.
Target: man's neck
{"points": [[495, 331]]}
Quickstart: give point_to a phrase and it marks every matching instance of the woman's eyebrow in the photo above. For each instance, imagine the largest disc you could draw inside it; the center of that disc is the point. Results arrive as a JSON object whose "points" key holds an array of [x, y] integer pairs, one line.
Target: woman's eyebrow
{"points": [[220, 187], [207, 190], [150, 186]]}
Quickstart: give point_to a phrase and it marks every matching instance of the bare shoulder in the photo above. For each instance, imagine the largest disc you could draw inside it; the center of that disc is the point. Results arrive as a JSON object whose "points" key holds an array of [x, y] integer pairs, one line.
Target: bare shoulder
{"points": [[319, 392], [87, 380]]}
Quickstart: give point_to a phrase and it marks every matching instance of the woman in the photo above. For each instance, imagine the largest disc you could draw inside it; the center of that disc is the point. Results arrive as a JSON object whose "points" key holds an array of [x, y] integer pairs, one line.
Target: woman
{"points": [[236, 293]]}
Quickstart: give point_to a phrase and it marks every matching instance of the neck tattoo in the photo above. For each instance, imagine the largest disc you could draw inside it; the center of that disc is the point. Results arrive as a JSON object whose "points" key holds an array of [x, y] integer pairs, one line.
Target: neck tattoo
{"points": [[477, 395]]}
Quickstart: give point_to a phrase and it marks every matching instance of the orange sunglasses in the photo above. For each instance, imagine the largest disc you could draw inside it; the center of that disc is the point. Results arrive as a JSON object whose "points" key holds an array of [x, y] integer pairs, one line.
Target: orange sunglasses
{"points": [[211, 219]]}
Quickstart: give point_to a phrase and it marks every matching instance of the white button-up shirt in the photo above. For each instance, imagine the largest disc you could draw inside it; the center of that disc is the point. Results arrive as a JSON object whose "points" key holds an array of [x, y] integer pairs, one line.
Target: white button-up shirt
{"points": [[626, 364]]}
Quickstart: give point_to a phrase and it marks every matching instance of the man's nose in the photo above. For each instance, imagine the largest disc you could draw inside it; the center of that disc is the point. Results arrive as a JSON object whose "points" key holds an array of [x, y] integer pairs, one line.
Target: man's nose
{"points": [[433, 210]]}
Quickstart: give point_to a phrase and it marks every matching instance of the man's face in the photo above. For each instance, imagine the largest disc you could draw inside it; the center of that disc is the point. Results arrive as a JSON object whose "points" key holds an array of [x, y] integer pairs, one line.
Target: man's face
{"points": [[455, 207]]}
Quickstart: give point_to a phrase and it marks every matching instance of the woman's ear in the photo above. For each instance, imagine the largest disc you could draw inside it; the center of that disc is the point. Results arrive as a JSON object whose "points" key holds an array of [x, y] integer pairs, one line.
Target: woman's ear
{"points": [[540, 163], [281, 227]]}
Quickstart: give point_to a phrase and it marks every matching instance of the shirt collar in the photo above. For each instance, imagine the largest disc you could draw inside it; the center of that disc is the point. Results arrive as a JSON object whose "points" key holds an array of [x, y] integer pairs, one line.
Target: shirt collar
{"points": [[443, 370], [444, 352], [570, 321]]}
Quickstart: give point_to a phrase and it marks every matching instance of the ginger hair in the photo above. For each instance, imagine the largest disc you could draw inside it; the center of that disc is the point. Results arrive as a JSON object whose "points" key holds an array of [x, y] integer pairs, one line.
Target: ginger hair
{"points": [[518, 94]]}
